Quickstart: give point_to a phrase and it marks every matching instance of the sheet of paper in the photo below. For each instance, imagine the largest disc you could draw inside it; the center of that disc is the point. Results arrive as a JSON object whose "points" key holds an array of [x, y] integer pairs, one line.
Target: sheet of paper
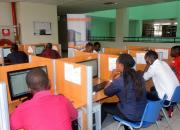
{"points": [[112, 63], [162, 53], [30, 50], [72, 74], [68, 70], [1, 52], [140, 58], [76, 75]]}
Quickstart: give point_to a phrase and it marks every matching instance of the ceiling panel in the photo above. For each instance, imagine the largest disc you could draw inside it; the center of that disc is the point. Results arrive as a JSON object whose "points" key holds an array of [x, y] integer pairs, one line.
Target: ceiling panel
{"points": [[83, 6]]}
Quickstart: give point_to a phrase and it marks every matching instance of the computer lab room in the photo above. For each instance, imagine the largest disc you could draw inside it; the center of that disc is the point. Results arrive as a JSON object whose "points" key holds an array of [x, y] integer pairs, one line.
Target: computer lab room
{"points": [[89, 65]]}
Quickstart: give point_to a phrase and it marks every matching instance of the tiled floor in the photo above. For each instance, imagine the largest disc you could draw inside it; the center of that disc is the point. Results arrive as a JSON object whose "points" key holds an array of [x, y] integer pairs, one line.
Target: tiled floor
{"points": [[110, 124]]}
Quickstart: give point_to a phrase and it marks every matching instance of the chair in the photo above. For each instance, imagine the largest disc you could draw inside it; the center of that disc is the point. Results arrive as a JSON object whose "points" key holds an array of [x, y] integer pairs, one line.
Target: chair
{"points": [[175, 99], [150, 116]]}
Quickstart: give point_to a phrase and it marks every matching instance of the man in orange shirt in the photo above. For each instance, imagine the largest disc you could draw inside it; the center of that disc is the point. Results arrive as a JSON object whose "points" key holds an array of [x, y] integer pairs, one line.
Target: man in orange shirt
{"points": [[175, 52]]}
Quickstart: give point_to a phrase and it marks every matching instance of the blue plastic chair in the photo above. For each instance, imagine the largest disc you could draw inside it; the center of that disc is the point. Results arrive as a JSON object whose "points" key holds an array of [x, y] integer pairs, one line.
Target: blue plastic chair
{"points": [[174, 100], [150, 116]]}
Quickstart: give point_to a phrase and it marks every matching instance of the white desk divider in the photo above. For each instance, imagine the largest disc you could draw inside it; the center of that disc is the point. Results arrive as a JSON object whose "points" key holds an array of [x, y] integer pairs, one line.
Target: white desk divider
{"points": [[4, 112]]}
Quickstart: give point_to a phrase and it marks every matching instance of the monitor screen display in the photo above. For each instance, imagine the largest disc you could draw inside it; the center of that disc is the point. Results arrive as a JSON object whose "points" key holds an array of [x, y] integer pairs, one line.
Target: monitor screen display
{"points": [[39, 49], [6, 51], [94, 64], [17, 82]]}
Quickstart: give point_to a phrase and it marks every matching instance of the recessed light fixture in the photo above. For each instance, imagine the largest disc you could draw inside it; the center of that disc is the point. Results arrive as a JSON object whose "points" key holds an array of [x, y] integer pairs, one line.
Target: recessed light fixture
{"points": [[110, 3]]}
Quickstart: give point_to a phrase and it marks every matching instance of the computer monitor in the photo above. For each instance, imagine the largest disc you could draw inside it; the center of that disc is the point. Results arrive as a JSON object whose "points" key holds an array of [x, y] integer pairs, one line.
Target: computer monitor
{"points": [[6, 51], [94, 64], [39, 49], [17, 82]]}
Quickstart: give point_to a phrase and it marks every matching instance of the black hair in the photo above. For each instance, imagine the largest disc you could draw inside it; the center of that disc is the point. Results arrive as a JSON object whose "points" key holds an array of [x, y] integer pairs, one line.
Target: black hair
{"points": [[97, 43], [151, 54], [14, 47], [89, 44], [37, 80], [49, 46], [177, 49], [130, 74]]}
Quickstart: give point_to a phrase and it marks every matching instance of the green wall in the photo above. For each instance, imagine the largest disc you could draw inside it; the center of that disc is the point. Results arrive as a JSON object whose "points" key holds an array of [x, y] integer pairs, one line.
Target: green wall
{"points": [[155, 11], [168, 10], [103, 23], [102, 27]]}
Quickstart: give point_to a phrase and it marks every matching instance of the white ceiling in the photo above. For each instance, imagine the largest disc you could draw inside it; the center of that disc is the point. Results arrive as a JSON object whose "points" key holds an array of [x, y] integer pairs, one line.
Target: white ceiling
{"points": [[83, 6]]}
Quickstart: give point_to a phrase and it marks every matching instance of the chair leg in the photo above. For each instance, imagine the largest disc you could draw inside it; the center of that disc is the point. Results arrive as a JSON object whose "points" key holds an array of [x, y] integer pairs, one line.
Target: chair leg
{"points": [[167, 119], [157, 124], [178, 107]]}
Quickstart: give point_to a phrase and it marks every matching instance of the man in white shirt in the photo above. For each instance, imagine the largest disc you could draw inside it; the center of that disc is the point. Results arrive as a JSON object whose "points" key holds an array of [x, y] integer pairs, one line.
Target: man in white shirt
{"points": [[164, 79]]}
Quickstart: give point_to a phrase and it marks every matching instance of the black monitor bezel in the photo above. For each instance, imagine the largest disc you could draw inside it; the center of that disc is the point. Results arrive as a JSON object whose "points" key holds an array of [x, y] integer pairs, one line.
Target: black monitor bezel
{"points": [[91, 60], [10, 84]]}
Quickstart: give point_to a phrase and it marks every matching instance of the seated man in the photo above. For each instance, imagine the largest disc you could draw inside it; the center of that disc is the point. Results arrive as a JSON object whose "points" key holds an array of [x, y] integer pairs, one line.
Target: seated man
{"points": [[88, 48], [50, 53], [175, 53], [16, 56], [44, 111], [164, 79], [97, 47]]}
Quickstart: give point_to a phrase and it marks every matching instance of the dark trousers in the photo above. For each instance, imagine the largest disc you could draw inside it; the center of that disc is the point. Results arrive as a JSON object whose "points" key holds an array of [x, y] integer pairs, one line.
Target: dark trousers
{"points": [[152, 94], [111, 108]]}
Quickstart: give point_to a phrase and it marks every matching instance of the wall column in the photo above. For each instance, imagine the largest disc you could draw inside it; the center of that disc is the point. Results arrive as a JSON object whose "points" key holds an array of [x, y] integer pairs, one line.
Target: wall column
{"points": [[122, 25]]}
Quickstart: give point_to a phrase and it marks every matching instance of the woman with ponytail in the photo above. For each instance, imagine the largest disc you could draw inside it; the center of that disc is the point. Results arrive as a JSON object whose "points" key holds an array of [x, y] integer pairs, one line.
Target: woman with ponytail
{"points": [[129, 86]]}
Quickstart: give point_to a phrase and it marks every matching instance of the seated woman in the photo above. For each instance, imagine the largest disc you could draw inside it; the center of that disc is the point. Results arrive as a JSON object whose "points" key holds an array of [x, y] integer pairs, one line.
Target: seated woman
{"points": [[129, 86]]}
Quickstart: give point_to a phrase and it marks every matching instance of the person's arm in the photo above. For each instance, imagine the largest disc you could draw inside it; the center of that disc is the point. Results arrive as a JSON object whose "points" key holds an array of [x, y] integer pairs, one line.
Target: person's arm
{"points": [[113, 86], [71, 110], [148, 73], [15, 122], [146, 68], [114, 75]]}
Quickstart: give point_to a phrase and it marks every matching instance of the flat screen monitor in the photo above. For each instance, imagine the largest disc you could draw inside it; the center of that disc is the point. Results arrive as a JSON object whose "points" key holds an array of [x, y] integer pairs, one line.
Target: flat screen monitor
{"points": [[6, 51], [39, 49], [17, 82], [94, 64]]}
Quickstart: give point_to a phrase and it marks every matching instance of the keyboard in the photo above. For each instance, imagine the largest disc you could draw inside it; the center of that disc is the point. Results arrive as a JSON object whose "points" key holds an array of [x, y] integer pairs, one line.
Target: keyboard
{"points": [[100, 86]]}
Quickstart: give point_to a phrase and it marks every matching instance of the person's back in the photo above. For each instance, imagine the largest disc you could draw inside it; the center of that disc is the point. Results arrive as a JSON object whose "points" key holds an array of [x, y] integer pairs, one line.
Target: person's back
{"points": [[50, 53], [175, 52], [129, 86], [164, 79], [129, 105], [44, 111], [16, 56]]}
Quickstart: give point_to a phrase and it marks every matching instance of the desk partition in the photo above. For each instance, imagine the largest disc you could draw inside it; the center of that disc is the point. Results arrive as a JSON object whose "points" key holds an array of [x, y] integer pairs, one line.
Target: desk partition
{"points": [[3, 77], [114, 51]]}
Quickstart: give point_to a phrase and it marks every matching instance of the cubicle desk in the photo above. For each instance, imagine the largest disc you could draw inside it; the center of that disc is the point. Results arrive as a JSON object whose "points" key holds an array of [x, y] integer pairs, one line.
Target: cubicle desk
{"points": [[114, 51]]}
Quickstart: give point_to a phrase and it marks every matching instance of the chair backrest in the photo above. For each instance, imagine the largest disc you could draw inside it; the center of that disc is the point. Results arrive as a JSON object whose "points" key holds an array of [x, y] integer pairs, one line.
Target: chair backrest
{"points": [[152, 111], [176, 95]]}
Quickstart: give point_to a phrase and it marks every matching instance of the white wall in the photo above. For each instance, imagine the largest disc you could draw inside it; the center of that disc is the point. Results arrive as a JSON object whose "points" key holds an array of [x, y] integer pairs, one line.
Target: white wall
{"points": [[28, 12], [5, 13]]}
